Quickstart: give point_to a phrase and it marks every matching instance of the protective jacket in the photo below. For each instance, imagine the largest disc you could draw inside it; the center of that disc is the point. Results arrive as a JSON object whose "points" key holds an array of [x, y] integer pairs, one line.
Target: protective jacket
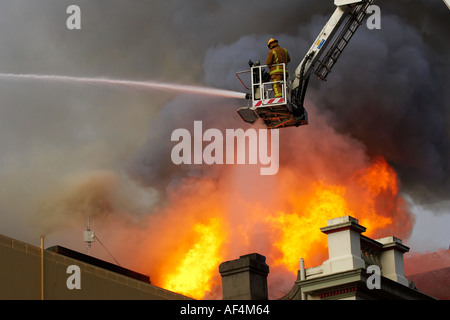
{"points": [[277, 55]]}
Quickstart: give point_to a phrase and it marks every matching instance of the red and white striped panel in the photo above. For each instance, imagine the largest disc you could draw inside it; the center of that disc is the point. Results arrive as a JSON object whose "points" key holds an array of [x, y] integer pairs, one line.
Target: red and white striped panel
{"points": [[268, 102]]}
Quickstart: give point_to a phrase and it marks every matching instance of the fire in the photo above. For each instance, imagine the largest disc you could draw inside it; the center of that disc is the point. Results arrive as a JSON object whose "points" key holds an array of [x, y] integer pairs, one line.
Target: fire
{"points": [[299, 232], [185, 241], [191, 277], [284, 230], [378, 182], [379, 177], [362, 196]]}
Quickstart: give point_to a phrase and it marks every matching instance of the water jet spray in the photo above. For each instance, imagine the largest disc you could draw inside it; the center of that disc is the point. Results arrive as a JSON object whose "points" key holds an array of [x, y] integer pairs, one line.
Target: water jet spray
{"points": [[156, 85]]}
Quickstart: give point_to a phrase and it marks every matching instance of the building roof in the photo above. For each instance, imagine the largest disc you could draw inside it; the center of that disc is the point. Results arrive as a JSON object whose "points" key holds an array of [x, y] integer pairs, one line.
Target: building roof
{"points": [[430, 273], [99, 263]]}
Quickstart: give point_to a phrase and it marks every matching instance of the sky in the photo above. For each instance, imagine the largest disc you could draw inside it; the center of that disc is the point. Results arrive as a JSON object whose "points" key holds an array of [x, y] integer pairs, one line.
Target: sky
{"points": [[59, 142]]}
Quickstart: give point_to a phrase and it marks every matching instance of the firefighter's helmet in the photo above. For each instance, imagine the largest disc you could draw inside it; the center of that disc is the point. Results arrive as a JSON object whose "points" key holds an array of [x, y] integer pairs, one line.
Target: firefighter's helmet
{"points": [[272, 40]]}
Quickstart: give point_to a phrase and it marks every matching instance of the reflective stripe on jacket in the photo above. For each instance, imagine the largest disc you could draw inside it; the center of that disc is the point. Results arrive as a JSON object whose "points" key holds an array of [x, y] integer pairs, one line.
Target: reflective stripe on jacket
{"points": [[277, 55]]}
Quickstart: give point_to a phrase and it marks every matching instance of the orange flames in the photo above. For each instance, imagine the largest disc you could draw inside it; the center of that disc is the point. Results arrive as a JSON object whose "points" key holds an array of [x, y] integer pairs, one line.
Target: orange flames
{"points": [[208, 223], [195, 269], [299, 232]]}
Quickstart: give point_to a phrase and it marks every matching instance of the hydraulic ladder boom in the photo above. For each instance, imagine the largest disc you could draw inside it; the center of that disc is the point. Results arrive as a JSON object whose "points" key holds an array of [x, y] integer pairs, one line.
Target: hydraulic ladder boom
{"points": [[338, 31]]}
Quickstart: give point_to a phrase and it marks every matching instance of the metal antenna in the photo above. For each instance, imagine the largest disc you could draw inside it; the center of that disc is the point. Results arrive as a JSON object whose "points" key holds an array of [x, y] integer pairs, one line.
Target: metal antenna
{"points": [[89, 237]]}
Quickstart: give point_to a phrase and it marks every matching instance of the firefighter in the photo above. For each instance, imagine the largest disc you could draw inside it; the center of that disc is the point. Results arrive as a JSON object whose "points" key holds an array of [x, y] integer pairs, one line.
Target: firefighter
{"points": [[276, 56]]}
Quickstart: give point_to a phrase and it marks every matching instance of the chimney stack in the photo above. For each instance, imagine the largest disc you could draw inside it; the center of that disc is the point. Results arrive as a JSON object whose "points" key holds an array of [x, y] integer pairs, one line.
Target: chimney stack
{"points": [[344, 244], [392, 259], [245, 278]]}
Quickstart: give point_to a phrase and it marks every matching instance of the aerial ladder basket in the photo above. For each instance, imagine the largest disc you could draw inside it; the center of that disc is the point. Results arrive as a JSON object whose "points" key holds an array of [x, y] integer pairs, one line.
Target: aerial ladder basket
{"points": [[265, 104]]}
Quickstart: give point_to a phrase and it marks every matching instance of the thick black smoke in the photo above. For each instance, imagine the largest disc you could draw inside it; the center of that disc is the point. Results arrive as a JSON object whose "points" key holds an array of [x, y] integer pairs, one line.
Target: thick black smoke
{"points": [[390, 93]]}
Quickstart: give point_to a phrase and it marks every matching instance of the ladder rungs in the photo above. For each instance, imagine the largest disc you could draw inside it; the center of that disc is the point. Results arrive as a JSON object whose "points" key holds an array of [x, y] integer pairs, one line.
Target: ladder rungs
{"points": [[355, 19]]}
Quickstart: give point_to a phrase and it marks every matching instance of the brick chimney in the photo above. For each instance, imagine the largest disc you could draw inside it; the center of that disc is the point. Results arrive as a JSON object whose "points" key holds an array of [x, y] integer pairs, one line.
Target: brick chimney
{"points": [[245, 278]]}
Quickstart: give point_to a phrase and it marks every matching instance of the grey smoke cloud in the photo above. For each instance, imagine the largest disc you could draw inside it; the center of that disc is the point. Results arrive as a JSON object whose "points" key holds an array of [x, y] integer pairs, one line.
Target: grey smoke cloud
{"points": [[387, 92]]}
